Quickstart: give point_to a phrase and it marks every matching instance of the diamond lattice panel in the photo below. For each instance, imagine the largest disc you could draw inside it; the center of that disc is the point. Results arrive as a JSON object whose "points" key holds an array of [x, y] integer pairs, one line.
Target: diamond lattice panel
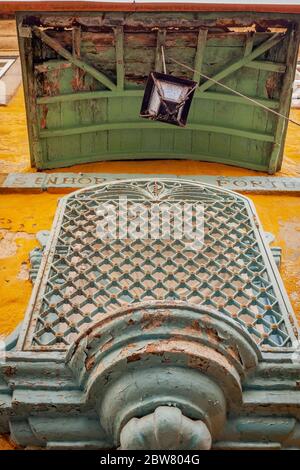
{"points": [[85, 276]]}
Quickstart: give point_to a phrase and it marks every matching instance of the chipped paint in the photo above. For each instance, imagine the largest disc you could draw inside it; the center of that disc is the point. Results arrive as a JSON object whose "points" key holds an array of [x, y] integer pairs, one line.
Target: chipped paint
{"points": [[9, 240]]}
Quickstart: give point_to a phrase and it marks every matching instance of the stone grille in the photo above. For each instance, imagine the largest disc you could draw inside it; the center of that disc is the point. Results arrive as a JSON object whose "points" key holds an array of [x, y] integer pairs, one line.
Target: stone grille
{"points": [[85, 276]]}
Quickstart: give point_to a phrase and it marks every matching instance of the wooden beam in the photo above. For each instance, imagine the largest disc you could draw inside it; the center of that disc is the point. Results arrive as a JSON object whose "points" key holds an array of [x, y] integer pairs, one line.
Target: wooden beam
{"points": [[88, 95], [233, 67], [56, 46], [119, 40], [51, 65], [160, 41], [249, 43], [36, 153], [257, 9], [267, 65], [76, 41], [142, 124], [201, 43], [285, 101], [218, 96], [209, 95]]}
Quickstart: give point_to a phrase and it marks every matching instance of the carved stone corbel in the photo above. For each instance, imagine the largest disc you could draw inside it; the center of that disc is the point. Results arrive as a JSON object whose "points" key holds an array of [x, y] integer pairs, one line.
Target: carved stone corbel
{"points": [[135, 363]]}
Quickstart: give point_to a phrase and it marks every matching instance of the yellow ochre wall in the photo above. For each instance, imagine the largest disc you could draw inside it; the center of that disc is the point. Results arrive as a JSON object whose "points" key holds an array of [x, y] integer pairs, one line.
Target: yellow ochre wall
{"points": [[23, 215]]}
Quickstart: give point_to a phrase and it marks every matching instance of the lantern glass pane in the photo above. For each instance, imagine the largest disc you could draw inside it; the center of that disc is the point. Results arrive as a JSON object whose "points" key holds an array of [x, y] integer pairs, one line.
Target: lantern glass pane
{"points": [[174, 92]]}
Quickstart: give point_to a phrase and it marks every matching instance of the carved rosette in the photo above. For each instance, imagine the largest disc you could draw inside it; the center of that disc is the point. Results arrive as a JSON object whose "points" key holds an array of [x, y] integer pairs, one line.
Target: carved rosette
{"points": [[169, 371]]}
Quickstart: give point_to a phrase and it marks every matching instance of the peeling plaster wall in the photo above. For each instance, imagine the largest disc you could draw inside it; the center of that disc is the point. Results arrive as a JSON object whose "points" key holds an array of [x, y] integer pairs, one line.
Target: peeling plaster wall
{"points": [[23, 215]]}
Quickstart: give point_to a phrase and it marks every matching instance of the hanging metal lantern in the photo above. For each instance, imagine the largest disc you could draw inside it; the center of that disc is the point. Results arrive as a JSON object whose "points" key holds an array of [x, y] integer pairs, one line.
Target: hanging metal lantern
{"points": [[167, 98]]}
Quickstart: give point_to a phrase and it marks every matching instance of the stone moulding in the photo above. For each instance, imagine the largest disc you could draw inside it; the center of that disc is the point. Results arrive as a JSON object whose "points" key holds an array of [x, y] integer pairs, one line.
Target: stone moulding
{"points": [[152, 374], [206, 368]]}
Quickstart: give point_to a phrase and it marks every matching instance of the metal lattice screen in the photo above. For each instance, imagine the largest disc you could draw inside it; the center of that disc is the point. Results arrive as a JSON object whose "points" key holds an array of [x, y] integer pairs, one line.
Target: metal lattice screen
{"points": [[85, 276]]}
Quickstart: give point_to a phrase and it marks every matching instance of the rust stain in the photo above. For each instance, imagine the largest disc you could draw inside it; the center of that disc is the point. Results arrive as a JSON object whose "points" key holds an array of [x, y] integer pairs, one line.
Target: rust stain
{"points": [[154, 348], [233, 352], [89, 362], [151, 321], [6, 443], [77, 82], [134, 357], [271, 85], [209, 332], [196, 326], [127, 349], [10, 371], [44, 117], [107, 345], [198, 363], [213, 335], [51, 85]]}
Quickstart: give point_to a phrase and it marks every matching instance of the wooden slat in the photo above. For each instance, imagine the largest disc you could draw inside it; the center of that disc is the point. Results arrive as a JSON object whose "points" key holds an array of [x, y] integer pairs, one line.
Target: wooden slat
{"points": [[209, 95], [249, 43], [119, 38], [201, 43], [76, 40], [154, 125], [161, 37], [36, 154], [233, 67], [267, 65], [285, 101]]}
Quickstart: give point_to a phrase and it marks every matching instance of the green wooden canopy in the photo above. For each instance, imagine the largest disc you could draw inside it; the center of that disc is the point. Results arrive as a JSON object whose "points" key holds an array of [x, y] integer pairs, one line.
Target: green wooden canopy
{"points": [[85, 73]]}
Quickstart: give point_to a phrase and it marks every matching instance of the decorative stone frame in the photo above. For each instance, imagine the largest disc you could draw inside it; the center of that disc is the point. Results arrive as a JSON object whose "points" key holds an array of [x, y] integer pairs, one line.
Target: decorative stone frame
{"points": [[153, 375]]}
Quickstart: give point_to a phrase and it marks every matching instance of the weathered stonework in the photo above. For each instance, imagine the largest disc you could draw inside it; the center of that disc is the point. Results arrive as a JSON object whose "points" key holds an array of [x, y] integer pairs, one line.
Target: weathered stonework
{"points": [[197, 374]]}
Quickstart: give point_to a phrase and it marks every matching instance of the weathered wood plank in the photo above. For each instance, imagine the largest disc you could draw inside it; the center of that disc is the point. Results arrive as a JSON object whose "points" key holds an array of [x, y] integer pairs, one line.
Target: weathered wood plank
{"points": [[55, 45], [153, 125], [285, 102], [36, 154], [119, 39], [161, 38], [233, 67], [222, 126], [209, 95], [267, 65], [249, 43], [201, 43], [76, 41]]}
